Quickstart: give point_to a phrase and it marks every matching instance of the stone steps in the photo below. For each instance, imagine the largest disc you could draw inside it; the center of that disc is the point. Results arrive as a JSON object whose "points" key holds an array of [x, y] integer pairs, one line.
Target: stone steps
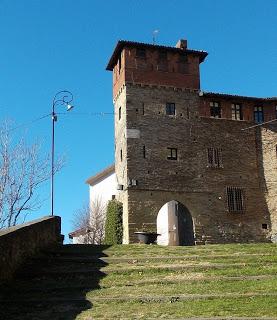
{"points": [[134, 298], [54, 285]]}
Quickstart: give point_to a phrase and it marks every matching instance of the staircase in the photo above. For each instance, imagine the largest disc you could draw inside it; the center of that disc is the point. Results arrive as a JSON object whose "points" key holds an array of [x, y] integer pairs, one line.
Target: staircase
{"points": [[53, 285], [145, 282]]}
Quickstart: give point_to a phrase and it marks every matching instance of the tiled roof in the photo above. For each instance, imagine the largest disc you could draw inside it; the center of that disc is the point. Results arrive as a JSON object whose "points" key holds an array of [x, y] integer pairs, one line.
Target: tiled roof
{"points": [[101, 175], [123, 43], [234, 96]]}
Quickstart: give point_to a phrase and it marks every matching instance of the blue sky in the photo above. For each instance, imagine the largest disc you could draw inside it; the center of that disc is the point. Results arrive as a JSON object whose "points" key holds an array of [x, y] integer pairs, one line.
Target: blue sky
{"points": [[47, 46]]}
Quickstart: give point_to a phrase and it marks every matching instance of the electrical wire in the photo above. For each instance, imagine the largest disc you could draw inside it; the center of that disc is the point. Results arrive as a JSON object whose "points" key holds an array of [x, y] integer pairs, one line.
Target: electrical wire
{"points": [[87, 113], [27, 124], [259, 124], [30, 122]]}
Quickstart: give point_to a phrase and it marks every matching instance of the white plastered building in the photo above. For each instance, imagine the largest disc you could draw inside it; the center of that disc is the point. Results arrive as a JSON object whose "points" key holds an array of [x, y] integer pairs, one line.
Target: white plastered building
{"points": [[102, 188]]}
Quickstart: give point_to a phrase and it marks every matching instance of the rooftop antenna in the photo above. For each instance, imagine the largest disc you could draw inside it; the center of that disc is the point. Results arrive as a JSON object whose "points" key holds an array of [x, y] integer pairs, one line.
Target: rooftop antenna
{"points": [[155, 32]]}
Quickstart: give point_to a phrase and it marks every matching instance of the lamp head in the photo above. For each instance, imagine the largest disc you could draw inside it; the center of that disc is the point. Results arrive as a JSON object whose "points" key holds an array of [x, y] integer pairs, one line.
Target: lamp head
{"points": [[69, 107]]}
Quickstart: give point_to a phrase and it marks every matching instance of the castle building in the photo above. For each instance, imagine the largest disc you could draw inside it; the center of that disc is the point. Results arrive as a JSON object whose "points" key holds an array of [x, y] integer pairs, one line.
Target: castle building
{"points": [[196, 165]]}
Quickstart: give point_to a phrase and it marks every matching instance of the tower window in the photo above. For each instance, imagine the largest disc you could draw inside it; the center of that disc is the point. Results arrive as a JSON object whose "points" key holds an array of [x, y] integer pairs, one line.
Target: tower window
{"points": [[162, 55], [235, 199], [140, 53], [215, 109], [119, 113], [183, 64], [172, 154], [144, 152], [121, 155], [237, 112], [214, 158], [170, 109], [258, 114]]}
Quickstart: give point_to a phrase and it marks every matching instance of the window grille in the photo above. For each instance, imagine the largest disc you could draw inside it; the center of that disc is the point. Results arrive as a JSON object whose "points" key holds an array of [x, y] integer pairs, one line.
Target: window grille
{"points": [[214, 158], [235, 199]]}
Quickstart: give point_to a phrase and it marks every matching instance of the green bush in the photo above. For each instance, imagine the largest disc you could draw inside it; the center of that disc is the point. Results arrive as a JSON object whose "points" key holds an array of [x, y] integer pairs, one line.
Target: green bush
{"points": [[113, 225]]}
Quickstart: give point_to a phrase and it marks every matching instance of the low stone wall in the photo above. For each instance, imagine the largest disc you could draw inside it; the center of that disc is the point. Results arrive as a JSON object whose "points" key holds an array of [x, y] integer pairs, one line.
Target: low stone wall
{"points": [[22, 241]]}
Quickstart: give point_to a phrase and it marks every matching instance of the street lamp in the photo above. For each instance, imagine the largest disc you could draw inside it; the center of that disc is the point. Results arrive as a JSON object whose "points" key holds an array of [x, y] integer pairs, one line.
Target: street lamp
{"points": [[64, 98]]}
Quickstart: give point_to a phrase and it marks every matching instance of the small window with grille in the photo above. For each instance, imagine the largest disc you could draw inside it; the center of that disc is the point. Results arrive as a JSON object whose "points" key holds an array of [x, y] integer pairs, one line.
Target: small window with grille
{"points": [[235, 199], [214, 157], [215, 109]]}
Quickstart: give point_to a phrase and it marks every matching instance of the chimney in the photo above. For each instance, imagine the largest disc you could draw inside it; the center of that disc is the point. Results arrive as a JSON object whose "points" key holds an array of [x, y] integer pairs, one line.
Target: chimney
{"points": [[182, 44]]}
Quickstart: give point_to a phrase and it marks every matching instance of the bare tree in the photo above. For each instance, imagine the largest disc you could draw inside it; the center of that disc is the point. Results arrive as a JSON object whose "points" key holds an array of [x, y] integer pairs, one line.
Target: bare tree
{"points": [[22, 171], [90, 222]]}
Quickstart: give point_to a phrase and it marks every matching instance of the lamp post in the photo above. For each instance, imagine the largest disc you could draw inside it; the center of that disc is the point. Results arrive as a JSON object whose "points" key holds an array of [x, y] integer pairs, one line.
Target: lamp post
{"points": [[64, 98]]}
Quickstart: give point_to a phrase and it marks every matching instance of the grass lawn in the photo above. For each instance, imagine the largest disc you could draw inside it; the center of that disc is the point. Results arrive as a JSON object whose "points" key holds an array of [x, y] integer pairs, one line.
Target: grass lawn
{"points": [[144, 282]]}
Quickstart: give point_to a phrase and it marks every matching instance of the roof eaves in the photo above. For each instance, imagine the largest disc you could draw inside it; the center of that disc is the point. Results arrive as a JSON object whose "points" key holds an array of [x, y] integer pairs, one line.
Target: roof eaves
{"points": [[100, 175], [234, 96], [121, 43]]}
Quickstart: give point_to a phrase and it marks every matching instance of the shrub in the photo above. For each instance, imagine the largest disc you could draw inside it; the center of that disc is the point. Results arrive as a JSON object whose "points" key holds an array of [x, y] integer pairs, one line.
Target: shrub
{"points": [[113, 225]]}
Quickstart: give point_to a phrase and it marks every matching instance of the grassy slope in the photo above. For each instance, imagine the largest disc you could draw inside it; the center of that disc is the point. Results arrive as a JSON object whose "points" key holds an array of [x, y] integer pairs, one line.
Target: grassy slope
{"points": [[179, 282]]}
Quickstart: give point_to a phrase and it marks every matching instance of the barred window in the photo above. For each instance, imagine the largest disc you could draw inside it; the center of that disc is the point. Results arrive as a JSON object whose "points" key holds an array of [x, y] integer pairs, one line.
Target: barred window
{"points": [[235, 199], [214, 158]]}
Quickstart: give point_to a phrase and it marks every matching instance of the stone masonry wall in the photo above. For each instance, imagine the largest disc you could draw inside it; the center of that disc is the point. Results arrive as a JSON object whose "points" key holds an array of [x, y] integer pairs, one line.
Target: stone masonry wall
{"points": [[267, 146], [188, 180], [22, 241], [121, 155]]}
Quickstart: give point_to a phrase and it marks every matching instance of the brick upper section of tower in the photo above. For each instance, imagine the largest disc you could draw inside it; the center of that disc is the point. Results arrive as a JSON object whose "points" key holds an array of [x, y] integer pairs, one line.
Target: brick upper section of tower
{"points": [[155, 65]]}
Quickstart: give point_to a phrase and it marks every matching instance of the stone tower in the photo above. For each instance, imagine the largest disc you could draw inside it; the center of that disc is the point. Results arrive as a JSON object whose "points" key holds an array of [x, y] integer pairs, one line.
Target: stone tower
{"points": [[173, 146]]}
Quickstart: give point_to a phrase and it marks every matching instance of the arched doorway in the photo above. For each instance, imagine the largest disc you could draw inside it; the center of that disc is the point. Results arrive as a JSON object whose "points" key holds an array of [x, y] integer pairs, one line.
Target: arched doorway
{"points": [[175, 225]]}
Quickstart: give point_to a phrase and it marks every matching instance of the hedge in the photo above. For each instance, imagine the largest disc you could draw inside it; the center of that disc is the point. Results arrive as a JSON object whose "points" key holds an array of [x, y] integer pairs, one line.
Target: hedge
{"points": [[113, 225]]}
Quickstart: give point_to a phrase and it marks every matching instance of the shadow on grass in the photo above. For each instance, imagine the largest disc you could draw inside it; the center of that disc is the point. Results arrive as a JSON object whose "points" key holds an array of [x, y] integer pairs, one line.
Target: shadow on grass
{"points": [[54, 284]]}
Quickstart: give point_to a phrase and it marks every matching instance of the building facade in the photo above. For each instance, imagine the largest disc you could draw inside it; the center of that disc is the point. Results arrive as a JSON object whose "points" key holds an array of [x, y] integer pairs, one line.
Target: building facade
{"points": [[102, 189], [175, 144]]}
